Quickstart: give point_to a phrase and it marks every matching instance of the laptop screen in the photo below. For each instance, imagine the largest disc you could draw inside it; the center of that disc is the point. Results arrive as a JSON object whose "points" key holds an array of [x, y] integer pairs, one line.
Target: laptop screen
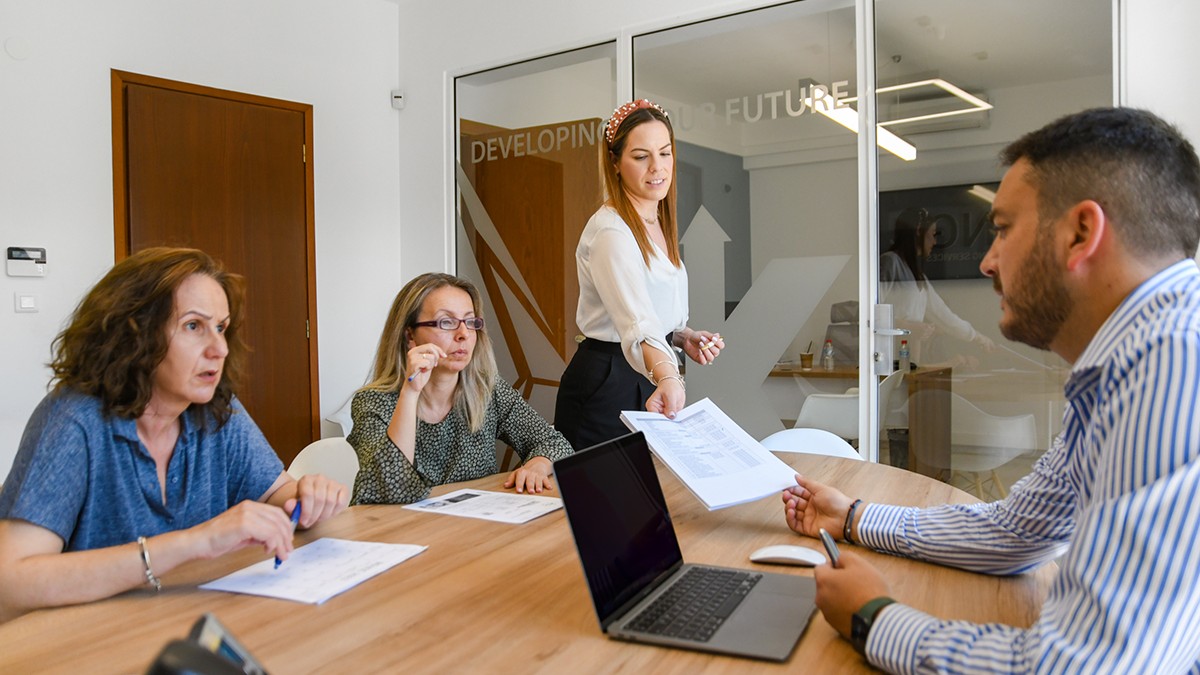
{"points": [[619, 517]]}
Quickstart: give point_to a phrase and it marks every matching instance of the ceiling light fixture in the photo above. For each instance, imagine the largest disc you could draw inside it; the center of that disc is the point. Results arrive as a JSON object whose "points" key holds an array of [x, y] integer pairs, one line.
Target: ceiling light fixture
{"points": [[848, 117], [974, 103], [983, 193]]}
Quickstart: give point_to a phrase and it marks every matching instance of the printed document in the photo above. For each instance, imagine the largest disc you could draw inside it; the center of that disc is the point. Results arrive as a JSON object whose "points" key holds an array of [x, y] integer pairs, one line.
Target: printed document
{"points": [[316, 571], [504, 507], [715, 458]]}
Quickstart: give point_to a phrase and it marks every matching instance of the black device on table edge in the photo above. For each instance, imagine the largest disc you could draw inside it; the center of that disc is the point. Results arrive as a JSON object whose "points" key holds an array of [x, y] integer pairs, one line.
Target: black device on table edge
{"points": [[210, 649]]}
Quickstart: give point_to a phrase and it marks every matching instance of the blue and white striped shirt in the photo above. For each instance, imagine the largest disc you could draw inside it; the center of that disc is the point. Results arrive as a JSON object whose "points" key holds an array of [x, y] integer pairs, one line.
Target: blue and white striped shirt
{"points": [[1118, 492]]}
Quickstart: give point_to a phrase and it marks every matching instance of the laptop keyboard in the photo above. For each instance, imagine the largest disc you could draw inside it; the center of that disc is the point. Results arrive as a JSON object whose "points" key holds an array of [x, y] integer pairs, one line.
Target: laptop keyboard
{"points": [[696, 605]]}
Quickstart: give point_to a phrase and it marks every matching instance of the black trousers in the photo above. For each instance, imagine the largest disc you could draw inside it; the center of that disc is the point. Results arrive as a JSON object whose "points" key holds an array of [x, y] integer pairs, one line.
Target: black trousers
{"points": [[596, 386]]}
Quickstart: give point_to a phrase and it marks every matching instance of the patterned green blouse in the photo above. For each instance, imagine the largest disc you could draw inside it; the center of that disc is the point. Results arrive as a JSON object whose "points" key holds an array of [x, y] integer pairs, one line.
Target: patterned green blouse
{"points": [[446, 452]]}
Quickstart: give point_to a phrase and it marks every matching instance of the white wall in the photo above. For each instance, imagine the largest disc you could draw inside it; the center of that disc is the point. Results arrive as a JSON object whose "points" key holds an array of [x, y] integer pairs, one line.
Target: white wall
{"points": [[56, 154], [1161, 51]]}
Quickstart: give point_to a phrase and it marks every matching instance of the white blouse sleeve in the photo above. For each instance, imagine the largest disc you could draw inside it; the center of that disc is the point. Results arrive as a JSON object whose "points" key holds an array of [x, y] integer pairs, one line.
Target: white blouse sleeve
{"points": [[615, 261], [937, 310]]}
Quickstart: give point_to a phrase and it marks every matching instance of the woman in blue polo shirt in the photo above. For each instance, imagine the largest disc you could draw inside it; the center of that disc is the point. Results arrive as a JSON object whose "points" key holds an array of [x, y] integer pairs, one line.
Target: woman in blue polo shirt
{"points": [[141, 458]]}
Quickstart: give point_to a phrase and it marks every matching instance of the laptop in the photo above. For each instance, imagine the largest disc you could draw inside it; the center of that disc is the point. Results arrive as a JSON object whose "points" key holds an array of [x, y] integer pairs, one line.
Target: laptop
{"points": [[636, 574]]}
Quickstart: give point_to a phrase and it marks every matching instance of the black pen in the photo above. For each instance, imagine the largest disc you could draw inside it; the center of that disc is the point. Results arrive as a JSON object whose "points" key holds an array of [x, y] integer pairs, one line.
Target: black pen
{"points": [[295, 523]]}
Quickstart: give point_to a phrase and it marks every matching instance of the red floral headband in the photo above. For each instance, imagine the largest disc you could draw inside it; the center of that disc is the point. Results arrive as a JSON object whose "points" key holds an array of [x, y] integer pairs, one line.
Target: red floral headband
{"points": [[619, 115]]}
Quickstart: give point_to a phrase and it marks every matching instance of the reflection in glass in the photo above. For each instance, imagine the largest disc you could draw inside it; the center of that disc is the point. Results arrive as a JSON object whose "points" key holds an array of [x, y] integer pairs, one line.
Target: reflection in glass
{"points": [[767, 183], [528, 179], [981, 408]]}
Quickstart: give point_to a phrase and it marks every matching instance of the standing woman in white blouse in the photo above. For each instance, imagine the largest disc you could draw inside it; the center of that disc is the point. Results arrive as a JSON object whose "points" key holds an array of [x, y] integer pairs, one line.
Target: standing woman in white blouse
{"points": [[633, 306]]}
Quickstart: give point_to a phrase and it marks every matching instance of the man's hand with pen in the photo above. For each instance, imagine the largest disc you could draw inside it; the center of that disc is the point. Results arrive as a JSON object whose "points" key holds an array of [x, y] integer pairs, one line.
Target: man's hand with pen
{"points": [[848, 581]]}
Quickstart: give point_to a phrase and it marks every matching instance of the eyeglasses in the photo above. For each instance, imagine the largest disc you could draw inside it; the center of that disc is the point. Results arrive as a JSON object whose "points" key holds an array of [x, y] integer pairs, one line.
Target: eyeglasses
{"points": [[451, 323]]}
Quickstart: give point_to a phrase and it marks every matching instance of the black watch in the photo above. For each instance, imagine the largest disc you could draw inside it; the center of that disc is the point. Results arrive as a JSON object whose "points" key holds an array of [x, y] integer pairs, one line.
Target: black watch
{"points": [[860, 623]]}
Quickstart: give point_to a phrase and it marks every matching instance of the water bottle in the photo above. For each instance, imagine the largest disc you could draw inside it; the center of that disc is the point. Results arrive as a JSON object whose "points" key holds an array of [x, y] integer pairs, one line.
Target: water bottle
{"points": [[827, 355], [904, 359]]}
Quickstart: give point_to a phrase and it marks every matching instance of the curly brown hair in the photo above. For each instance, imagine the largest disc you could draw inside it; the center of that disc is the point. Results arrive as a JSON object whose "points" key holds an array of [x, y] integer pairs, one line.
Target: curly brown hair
{"points": [[118, 335]]}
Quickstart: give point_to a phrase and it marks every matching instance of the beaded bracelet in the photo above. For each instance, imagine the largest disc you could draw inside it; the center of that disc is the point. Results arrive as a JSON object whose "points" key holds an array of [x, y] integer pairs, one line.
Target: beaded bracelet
{"points": [[150, 578], [850, 521]]}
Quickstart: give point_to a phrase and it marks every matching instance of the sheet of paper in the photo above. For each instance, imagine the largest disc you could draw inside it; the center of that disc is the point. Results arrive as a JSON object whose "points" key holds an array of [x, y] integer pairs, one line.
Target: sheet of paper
{"points": [[504, 507], [715, 458], [317, 571]]}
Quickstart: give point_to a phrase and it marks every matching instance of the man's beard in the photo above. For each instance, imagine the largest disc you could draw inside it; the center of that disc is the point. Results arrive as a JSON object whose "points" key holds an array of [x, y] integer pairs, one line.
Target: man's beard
{"points": [[1038, 310]]}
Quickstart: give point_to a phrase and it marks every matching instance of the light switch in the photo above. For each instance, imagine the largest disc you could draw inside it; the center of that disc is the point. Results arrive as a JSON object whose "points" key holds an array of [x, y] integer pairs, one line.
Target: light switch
{"points": [[25, 302]]}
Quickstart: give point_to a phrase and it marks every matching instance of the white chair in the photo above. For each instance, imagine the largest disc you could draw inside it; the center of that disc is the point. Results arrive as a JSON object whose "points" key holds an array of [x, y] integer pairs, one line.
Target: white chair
{"points": [[342, 417], [980, 443], [838, 413], [332, 457], [811, 442]]}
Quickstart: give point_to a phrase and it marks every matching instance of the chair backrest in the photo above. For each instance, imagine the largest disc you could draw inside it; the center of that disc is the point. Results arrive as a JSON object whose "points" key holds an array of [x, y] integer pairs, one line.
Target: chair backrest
{"points": [[838, 413], [981, 441], [835, 413], [972, 427], [810, 441], [332, 457], [342, 417]]}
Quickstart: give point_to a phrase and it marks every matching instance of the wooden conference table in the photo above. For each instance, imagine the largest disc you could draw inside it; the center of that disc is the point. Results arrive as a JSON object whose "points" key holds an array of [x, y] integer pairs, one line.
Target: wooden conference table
{"points": [[489, 597]]}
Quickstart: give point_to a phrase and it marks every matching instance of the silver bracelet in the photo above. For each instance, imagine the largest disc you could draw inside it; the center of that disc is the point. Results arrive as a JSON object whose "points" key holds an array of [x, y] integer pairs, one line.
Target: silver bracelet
{"points": [[150, 578]]}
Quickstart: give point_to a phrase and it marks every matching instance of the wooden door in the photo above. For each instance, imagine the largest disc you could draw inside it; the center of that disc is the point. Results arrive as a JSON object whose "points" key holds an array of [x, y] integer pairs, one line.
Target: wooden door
{"points": [[231, 174]]}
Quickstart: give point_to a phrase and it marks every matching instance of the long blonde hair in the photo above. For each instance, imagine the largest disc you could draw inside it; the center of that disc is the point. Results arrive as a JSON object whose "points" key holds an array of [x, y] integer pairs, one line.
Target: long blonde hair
{"points": [[619, 200], [475, 382]]}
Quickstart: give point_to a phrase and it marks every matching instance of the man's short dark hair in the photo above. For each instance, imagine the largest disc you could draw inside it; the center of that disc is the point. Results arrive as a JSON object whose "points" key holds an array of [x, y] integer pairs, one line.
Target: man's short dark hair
{"points": [[1140, 169]]}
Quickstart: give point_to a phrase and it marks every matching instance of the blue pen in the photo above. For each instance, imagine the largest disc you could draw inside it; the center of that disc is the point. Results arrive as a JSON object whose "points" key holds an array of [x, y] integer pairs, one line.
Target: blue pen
{"points": [[295, 522]]}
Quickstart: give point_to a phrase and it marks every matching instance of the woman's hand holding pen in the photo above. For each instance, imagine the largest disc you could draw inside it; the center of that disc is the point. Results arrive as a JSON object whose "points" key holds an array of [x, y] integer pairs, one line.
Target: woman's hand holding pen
{"points": [[702, 346], [321, 497], [422, 359], [246, 524]]}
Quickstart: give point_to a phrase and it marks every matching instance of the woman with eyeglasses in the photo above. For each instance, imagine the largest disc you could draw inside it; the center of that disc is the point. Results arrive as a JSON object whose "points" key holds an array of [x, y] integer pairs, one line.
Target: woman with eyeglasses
{"points": [[436, 406], [904, 285]]}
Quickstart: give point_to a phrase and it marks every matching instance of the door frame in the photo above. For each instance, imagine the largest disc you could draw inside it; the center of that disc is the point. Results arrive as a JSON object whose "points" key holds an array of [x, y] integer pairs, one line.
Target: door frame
{"points": [[121, 236]]}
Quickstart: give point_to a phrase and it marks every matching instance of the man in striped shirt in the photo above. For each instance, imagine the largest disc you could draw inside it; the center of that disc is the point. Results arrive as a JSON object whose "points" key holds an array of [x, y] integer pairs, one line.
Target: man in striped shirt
{"points": [[1097, 220]]}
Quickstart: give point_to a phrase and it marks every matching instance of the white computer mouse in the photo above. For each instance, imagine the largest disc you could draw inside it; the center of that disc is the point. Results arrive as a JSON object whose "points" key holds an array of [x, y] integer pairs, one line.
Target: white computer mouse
{"points": [[783, 554]]}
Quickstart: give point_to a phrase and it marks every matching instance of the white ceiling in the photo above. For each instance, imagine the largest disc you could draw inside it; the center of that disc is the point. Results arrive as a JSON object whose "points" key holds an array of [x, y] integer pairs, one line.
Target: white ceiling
{"points": [[979, 45]]}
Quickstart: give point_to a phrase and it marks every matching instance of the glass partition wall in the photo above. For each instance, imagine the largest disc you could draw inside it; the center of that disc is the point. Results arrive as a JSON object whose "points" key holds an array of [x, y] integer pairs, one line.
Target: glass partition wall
{"points": [[768, 204], [765, 106], [528, 180], [958, 81]]}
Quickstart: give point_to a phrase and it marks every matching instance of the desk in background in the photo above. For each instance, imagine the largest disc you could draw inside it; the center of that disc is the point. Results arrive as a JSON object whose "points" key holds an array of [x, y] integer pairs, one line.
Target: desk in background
{"points": [[490, 597]]}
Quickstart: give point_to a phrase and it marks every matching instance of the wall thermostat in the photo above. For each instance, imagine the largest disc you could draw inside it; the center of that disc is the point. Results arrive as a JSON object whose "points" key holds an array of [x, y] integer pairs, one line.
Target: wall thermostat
{"points": [[26, 261]]}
